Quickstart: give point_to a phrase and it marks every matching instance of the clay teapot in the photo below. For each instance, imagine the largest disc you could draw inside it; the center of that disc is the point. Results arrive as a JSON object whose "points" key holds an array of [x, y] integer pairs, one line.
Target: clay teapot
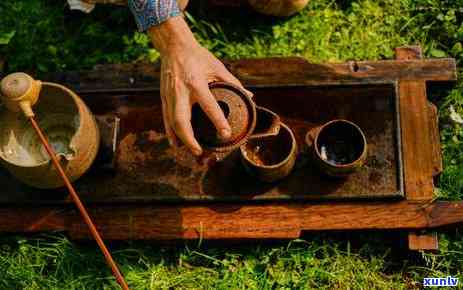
{"points": [[247, 121], [67, 123]]}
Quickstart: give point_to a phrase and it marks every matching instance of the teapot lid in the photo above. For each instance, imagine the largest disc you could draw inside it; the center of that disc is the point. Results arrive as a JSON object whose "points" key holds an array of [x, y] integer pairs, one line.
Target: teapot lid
{"points": [[240, 112]]}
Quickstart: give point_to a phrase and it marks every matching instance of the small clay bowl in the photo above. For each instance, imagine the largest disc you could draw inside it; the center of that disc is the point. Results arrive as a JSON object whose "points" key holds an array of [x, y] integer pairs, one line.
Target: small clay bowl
{"points": [[270, 158], [339, 147]]}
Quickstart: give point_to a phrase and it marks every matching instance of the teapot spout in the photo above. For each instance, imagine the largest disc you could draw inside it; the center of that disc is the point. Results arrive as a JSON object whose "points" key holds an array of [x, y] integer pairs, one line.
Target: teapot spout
{"points": [[268, 123]]}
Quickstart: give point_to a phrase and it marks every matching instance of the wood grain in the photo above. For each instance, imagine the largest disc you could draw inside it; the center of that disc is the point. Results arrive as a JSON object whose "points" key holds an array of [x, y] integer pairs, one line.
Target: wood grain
{"points": [[265, 72], [225, 221], [436, 151], [425, 241], [416, 141], [412, 52], [418, 121]]}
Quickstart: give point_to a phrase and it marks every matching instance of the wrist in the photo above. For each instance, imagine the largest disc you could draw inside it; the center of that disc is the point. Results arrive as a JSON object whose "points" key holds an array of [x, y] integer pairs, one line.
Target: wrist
{"points": [[172, 35]]}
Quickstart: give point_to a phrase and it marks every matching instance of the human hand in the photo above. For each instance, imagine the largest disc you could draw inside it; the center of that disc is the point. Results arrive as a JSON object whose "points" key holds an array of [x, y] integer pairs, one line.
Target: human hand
{"points": [[186, 71]]}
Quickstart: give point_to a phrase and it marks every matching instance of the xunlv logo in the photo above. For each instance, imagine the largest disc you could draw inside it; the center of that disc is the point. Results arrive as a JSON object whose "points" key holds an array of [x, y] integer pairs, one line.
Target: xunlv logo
{"points": [[440, 282]]}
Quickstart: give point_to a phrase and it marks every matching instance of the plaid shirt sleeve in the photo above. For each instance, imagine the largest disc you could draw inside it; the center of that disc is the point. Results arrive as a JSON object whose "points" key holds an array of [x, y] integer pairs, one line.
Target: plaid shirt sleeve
{"points": [[152, 12]]}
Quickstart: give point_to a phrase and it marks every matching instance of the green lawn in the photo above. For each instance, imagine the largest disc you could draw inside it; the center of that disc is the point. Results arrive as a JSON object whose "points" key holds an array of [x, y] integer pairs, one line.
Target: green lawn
{"points": [[42, 35]]}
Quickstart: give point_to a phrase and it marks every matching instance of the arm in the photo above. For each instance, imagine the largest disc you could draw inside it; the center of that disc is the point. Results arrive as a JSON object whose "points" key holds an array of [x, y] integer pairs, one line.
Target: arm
{"points": [[186, 70]]}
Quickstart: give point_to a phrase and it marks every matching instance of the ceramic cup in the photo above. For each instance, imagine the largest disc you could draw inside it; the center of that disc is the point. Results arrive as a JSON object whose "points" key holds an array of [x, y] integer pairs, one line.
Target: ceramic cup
{"points": [[270, 158], [339, 147]]}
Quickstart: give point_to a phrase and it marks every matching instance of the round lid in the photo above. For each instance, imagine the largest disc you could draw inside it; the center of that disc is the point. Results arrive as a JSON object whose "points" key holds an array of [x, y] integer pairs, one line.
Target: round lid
{"points": [[239, 110]]}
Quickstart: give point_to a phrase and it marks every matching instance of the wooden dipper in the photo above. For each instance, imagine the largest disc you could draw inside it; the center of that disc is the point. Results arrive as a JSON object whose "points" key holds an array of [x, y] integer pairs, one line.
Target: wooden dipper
{"points": [[19, 92]]}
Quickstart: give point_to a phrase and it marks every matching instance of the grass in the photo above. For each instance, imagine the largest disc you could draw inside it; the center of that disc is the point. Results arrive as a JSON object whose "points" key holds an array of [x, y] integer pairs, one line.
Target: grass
{"points": [[40, 36], [324, 261]]}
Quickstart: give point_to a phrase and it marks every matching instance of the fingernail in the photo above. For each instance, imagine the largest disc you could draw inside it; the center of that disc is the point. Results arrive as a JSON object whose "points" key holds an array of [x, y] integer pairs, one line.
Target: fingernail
{"points": [[250, 94], [225, 133], [197, 152]]}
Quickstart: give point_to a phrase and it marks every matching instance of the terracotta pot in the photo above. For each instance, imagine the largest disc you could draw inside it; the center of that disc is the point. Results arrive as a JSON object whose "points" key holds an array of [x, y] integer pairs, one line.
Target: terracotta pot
{"points": [[281, 8], [270, 158], [70, 128], [339, 147]]}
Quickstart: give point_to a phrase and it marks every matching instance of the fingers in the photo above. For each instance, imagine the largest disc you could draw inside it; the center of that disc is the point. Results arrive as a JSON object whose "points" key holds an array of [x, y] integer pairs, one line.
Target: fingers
{"points": [[249, 93], [165, 78], [169, 131], [177, 112], [226, 76], [212, 109], [181, 121]]}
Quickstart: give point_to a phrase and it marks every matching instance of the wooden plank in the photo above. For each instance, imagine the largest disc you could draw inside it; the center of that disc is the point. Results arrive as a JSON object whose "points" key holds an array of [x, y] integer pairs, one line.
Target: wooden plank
{"points": [[437, 164], [33, 219], [266, 72], [231, 221], [412, 52], [287, 71], [416, 143], [418, 140], [425, 241]]}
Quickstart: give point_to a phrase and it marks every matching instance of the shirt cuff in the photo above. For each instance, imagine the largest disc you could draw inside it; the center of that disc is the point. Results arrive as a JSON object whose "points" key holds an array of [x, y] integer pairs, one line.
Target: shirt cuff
{"points": [[153, 12]]}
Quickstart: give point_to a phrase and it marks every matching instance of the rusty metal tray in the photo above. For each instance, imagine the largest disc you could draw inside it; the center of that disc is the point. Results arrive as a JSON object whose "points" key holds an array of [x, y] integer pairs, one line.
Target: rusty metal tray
{"points": [[143, 167]]}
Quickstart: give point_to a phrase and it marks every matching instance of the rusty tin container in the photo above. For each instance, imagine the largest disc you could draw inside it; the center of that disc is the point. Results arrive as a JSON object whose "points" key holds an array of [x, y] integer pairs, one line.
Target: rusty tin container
{"points": [[339, 147], [270, 158], [69, 126]]}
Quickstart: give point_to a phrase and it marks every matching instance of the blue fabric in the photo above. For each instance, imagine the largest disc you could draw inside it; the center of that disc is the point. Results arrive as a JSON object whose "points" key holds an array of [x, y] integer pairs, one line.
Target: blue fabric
{"points": [[153, 12]]}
